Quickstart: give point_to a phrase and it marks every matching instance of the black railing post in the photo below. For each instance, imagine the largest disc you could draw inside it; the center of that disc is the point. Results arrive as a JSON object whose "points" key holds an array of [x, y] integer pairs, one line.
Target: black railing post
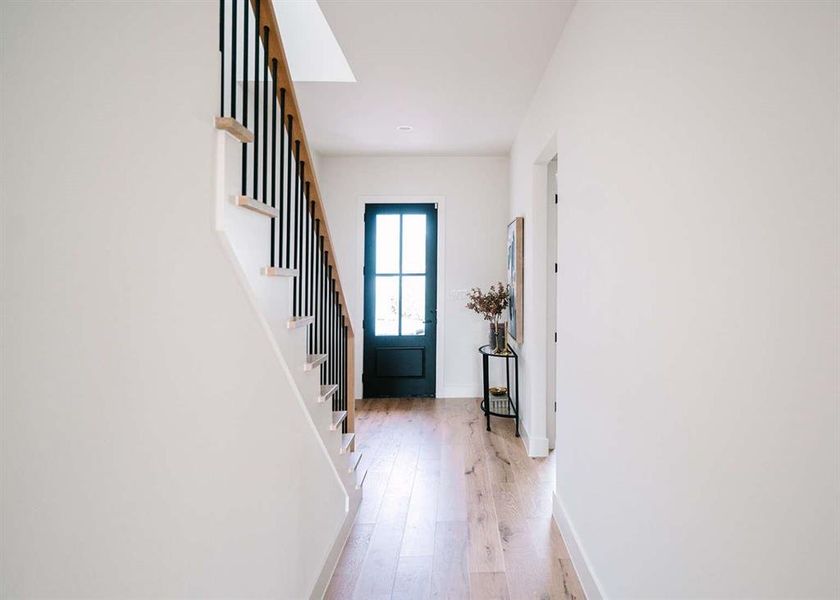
{"points": [[265, 119], [299, 233], [341, 383], [222, 52], [274, 222], [233, 52], [255, 182], [244, 96], [307, 254], [297, 236], [289, 131], [335, 336], [280, 194], [324, 286], [310, 280], [328, 341], [315, 266], [344, 368]]}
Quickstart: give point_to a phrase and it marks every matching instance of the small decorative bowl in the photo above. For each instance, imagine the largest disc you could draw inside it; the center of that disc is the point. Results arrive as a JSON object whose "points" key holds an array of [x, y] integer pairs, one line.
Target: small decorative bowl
{"points": [[498, 391]]}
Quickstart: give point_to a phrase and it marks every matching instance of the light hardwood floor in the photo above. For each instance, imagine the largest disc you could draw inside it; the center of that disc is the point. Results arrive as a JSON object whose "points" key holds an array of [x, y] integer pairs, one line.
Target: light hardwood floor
{"points": [[450, 510]]}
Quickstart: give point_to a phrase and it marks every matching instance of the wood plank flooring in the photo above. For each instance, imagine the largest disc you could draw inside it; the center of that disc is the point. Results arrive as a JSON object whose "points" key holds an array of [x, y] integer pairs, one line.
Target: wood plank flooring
{"points": [[450, 510]]}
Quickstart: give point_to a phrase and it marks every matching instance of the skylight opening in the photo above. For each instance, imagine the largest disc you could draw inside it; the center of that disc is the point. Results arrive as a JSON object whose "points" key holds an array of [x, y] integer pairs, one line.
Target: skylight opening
{"points": [[312, 51]]}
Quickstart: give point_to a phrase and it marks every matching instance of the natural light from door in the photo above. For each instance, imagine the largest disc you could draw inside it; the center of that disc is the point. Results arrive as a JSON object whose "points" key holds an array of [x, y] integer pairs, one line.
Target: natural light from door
{"points": [[400, 283]]}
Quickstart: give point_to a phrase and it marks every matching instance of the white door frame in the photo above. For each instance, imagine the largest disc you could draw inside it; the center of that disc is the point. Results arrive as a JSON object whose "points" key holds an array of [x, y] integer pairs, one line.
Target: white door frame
{"points": [[551, 308], [441, 273]]}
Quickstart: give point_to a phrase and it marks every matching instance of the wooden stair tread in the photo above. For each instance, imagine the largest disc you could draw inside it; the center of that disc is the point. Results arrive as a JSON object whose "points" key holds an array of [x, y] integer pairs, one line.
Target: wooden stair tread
{"points": [[327, 391], [313, 360], [337, 417], [297, 322], [278, 272], [257, 206], [235, 129], [346, 440]]}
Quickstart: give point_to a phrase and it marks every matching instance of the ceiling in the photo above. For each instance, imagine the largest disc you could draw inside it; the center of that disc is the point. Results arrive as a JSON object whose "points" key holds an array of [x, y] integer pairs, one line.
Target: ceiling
{"points": [[460, 72]]}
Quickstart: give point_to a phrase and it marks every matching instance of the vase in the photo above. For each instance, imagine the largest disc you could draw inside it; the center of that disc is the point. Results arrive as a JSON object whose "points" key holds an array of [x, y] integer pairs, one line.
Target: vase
{"points": [[500, 342], [492, 335]]}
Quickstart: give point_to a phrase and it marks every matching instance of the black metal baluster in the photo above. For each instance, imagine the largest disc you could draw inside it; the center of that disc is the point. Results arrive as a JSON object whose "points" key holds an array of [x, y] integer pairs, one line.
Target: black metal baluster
{"points": [[334, 364], [233, 61], [306, 250], [289, 132], [282, 155], [265, 119], [337, 366], [338, 354], [315, 266], [340, 345], [333, 356], [322, 332], [346, 374], [329, 325], [297, 237], [310, 238], [316, 224], [222, 52], [274, 222], [256, 180], [299, 233], [245, 96], [344, 369], [323, 303]]}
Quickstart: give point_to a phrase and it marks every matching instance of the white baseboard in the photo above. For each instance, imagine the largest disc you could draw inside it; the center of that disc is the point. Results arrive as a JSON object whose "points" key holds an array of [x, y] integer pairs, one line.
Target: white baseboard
{"points": [[534, 447], [588, 581], [460, 391], [338, 546]]}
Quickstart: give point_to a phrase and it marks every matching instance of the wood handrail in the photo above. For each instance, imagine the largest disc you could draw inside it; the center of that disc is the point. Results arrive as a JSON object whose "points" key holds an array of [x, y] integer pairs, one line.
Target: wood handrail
{"points": [[275, 50], [284, 80]]}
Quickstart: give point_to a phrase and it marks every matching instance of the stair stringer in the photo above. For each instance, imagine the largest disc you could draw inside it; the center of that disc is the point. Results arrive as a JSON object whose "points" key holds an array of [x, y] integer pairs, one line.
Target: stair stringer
{"points": [[245, 236]]}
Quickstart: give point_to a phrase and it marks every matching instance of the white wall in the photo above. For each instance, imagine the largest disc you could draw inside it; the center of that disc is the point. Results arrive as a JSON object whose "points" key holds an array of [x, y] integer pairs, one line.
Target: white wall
{"points": [[148, 427], [697, 426], [475, 197]]}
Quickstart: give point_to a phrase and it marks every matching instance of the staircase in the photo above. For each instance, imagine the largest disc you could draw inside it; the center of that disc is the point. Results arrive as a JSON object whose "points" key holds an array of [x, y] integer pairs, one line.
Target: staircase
{"points": [[270, 217]]}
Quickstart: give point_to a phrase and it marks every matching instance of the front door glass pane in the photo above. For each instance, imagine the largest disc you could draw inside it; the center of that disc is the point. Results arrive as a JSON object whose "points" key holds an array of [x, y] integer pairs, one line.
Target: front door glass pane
{"points": [[413, 305], [387, 305], [414, 244], [387, 243]]}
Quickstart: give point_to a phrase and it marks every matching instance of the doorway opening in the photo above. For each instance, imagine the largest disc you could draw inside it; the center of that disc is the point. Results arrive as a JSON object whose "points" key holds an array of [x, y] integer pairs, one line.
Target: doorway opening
{"points": [[400, 300], [551, 303]]}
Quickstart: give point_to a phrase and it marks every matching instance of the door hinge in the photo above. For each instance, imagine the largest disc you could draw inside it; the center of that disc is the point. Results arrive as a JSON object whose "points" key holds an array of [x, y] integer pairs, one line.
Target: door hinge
{"points": [[555, 407], [555, 267], [555, 198], [555, 337], [363, 323]]}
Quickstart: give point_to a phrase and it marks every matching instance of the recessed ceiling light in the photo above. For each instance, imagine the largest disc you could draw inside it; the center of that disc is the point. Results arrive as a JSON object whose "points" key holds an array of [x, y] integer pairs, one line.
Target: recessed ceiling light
{"points": [[404, 128]]}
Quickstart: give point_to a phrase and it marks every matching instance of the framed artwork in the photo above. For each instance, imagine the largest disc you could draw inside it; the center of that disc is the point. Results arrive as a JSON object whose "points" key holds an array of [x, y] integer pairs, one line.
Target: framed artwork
{"points": [[515, 272]]}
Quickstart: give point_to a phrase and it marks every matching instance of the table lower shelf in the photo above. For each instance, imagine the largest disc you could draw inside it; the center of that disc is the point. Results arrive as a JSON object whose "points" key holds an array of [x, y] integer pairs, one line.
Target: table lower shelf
{"points": [[502, 407]]}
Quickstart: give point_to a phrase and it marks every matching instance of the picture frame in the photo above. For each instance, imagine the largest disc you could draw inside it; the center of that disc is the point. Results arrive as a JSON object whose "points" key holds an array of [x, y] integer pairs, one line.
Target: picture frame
{"points": [[515, 275]]}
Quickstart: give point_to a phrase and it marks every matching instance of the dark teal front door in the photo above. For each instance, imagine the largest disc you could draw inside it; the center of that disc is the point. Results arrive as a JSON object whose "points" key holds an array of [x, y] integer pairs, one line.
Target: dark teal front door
{"points": [[400, 324]]}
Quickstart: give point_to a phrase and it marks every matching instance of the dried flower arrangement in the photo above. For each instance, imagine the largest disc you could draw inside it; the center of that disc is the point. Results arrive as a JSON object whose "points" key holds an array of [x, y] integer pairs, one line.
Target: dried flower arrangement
{"points": [[491, 304]]}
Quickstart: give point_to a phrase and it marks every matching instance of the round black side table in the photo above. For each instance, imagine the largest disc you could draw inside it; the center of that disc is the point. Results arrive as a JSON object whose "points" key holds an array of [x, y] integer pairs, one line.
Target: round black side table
{"points": [[510, 410]]}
